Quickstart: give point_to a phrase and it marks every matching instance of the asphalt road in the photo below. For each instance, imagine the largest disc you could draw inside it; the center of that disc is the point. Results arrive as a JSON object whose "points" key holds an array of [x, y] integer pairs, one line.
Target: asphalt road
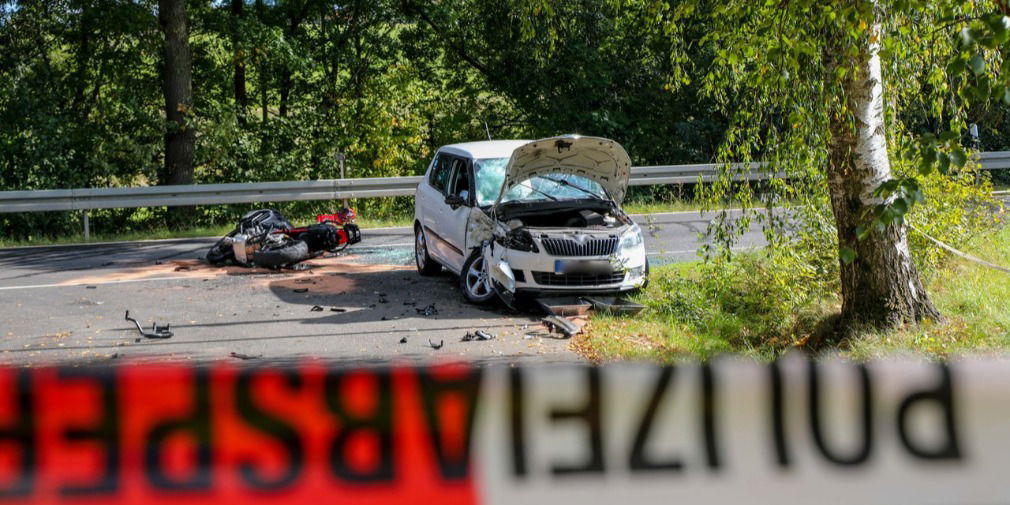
{"points": [[67, 303]]}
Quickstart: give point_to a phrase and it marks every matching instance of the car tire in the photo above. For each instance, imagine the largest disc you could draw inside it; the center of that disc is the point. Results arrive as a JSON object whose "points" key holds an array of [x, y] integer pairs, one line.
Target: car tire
{"points": [[474, 281], [280, 256], [425, 265]]}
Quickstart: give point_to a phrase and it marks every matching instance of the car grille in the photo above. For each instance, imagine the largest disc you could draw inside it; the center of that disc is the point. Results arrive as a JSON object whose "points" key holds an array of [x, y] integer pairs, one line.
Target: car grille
{"points": [[552, 279], [569, 247]]}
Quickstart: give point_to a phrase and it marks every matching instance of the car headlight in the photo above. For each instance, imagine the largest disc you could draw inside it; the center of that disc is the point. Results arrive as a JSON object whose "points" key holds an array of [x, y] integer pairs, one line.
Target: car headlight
{"points": [[633, 238], [519, 239]]}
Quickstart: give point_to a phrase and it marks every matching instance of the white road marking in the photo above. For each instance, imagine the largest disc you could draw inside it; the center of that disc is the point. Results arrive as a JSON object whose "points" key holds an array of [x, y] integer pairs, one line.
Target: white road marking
{"points": [[77, 284]]}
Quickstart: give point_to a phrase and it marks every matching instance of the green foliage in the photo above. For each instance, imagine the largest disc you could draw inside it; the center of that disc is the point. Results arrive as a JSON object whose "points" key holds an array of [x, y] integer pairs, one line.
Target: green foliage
{"points": [[698, 310], [958, 208], [754, 304]]}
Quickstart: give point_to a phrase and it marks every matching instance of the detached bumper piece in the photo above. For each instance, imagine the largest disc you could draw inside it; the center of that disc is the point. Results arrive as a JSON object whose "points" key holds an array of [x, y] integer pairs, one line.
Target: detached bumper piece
{"points": [[561, 325], [614, 305], [568, 314]]}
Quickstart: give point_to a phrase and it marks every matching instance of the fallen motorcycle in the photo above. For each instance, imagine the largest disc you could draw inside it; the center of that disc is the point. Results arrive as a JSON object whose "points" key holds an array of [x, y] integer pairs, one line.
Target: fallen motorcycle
{"points": [[265, 238]]}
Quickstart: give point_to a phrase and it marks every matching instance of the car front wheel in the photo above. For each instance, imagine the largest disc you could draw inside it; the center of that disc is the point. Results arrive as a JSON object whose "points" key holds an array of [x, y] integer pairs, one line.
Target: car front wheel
{"points": [[425, 265], [474, 281]]}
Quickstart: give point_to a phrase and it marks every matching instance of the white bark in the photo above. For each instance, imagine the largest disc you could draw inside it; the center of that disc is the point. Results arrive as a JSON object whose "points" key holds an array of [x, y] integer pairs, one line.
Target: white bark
{"points": [[868, 111]]}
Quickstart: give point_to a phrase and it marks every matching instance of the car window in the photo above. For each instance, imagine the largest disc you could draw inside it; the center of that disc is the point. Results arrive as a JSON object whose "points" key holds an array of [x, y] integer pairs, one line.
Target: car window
{"points": [[555, 186], [439, 178], [460, 178], [489, 174]]}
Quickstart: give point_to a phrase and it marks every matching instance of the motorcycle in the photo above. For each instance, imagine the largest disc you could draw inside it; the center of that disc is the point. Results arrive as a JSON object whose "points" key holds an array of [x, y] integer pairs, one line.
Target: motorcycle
{"points": [[265, 238]]}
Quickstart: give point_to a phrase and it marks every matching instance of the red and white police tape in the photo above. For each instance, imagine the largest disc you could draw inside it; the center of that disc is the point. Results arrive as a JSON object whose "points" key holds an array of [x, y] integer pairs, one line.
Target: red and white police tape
{"points": [[886, 432]]}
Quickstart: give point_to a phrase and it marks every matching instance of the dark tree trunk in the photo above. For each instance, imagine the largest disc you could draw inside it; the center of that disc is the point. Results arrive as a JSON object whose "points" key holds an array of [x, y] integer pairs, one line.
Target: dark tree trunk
{"points": [[881, 286], [238, 54], [263, 66], [294, 21], [178, 88], [285, 92]]}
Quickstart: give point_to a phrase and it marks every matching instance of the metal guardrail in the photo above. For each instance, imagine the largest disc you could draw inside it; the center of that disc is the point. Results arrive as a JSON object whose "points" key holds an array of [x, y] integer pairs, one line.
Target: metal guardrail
{"points": [[328, 189]]}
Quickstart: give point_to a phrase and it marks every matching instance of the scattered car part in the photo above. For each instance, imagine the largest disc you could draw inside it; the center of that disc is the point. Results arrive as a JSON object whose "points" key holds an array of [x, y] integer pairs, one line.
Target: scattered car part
{"points": [[403, 340], [337, 309], [436, 346], [316, 308], [560, 325], [156, 331], [479, 335], [428, 311], [244, 356], [614, 305], [564, 305]]}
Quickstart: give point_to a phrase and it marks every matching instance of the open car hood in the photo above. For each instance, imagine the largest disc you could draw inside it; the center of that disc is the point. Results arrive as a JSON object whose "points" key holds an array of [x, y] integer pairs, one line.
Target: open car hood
{"points": [[599, 159]]}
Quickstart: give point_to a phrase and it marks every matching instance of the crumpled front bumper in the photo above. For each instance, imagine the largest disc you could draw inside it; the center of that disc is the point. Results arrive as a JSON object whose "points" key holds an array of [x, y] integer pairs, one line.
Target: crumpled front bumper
{"points": [[519, 271]]}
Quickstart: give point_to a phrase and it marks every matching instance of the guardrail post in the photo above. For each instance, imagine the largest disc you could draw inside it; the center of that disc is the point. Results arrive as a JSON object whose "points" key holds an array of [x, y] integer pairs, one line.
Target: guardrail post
{"points": [[87, 225], [340, 160]]}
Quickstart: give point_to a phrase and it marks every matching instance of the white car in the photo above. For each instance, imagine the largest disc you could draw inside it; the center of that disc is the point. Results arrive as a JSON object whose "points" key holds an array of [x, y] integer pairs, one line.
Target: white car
{"points": [[512, 216]]}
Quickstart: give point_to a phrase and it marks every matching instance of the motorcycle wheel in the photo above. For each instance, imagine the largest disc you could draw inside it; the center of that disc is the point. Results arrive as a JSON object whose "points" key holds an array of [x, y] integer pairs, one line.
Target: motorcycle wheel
{"points": [[282, 255]]}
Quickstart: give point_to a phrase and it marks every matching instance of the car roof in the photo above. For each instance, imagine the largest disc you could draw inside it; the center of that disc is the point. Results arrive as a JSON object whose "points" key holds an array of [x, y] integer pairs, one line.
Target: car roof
{"points": [[484, 149]]}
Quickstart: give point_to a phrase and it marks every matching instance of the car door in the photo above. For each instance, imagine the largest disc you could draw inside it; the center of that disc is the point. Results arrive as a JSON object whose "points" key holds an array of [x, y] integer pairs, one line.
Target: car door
{"points": [[452, 226], [431, 204]]}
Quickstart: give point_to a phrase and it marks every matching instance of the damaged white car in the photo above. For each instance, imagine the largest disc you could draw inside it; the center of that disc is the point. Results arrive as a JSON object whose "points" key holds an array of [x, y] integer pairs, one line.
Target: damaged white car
{"points": [[538, 217]]}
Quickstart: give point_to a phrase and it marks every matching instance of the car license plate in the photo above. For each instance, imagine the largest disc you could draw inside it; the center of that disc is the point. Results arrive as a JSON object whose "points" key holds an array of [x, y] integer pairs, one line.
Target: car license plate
{"points": [[597, 267]]}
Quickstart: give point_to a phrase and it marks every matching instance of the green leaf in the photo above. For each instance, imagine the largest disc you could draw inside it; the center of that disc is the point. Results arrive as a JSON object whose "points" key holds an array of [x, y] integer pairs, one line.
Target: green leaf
{"points": [[862, 232], [956, 66], [948, 135], [958, 157], [900, 206], [846, 254], [944, 163], [977, 63]]}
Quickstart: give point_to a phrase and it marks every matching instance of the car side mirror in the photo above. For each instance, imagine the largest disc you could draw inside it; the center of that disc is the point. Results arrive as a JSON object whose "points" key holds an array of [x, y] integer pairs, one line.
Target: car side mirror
{"points": [[454, 201]]}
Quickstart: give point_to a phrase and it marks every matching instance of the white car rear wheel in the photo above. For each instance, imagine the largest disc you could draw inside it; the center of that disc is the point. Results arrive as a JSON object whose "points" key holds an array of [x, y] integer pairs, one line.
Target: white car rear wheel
{"points": [[425, 265]]}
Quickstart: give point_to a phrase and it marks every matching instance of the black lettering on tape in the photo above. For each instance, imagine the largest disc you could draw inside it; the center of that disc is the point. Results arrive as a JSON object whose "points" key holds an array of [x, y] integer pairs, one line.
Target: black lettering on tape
{"points": [[943, 398], [591, 415], [517, 418], [862, 454], [106, 432], [778, 422], [433, 389], [638, 460], [270, 425], [708, 416], [379, 424], [198, 426], [21, 433]]}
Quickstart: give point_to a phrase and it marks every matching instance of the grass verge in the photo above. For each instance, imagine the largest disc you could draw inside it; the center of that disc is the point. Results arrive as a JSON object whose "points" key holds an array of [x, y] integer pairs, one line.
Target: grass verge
{"points": [[690, 318]]}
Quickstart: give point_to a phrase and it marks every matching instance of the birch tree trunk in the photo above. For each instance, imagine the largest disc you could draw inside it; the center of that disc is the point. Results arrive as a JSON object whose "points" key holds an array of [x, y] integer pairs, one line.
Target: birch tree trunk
{"points": [[881, 286]]}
